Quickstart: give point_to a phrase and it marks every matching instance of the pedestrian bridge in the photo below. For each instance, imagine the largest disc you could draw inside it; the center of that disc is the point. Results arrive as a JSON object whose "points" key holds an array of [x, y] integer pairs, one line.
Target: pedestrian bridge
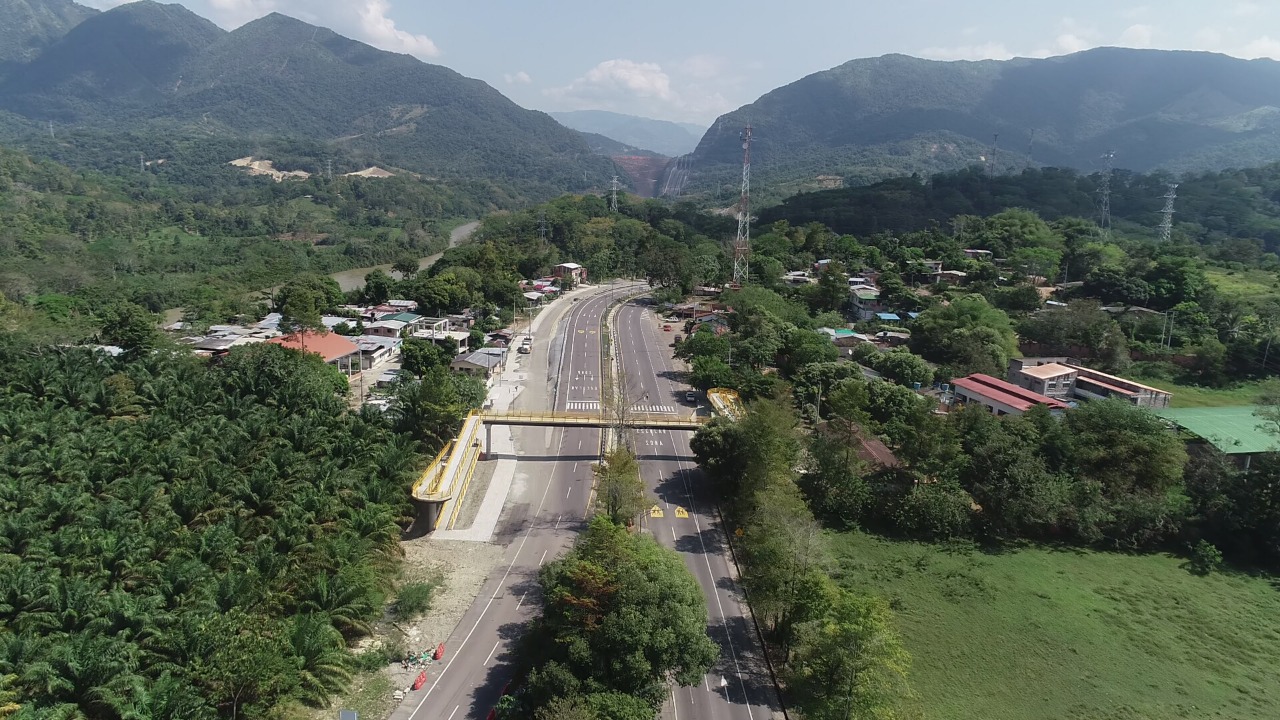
{"points": [[441, 488]]}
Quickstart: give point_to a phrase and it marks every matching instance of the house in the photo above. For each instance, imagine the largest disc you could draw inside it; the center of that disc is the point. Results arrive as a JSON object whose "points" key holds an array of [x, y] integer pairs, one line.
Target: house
{"points": [[976, 254], [412, 321], [1062, 378], [375, 349], [1051, 379], [892, 338], [932, 267], [404, 305], [478, 364], [866, 302], [797, 277], [501, 338], [386, 328], [438, 337], [533, 297], [955, 277], [571, 270], [464, 320], [818, 266], [1001, 397], [844, 337], [888, 317], [336, 350]]}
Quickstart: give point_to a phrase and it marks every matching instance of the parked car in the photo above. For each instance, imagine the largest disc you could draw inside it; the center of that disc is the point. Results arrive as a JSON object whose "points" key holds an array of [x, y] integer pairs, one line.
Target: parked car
{"points": [[678, 338], [666, 328], [691, 397]]}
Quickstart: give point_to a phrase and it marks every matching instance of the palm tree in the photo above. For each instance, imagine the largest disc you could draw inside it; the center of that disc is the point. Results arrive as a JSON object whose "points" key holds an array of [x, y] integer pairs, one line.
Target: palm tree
{"points": [[322, 653], [8, 696]]}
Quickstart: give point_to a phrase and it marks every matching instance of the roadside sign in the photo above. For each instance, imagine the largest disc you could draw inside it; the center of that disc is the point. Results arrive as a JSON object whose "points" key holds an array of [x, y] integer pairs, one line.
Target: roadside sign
{"points": [[655, 512], [681, 512], [738, 532], [348, 715]]}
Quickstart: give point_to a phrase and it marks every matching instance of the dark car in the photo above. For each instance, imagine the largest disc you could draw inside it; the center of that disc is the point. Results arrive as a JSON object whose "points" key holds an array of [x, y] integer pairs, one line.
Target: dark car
{"points": [[691, 397]]}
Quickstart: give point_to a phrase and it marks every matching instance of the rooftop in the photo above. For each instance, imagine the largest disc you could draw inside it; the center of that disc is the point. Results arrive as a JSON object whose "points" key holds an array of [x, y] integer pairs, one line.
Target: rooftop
{"points": [[1048, 370], [329, 346], [1005, 392], [1112, 381], [1232, 430]]}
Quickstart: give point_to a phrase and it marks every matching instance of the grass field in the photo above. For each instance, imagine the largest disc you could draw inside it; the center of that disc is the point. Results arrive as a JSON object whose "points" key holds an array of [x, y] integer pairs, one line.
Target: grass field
{"points": [[1188, 396], [1244, 284], [1056, 635]]}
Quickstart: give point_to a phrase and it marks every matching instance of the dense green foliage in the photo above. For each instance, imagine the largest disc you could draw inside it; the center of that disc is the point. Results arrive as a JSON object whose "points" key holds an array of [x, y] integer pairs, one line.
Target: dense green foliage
{"points": [[873, 118], [165, 69], [75, 242], [841, 656], [621, 617], [28, 26], [180, 540], [1233, 214]]}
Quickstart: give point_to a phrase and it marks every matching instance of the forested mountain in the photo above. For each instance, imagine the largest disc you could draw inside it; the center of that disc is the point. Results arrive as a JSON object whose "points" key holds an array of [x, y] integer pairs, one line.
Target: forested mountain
{"points": [[160, 69], [659, 136], [879, 117], [28, 26], [1234, 212]]}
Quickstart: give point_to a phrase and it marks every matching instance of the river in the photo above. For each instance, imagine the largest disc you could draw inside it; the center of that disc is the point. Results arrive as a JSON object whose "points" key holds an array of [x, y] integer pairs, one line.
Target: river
{"points": [[354, 279]]}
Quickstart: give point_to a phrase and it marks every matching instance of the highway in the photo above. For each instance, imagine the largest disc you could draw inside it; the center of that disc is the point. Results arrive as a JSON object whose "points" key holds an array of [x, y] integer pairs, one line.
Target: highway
{"points": [[539, 521], [739, 686]]}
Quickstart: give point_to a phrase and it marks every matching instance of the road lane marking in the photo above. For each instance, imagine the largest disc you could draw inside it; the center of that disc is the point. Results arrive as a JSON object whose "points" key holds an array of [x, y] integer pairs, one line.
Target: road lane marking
{"points": [[557, 527], [544, 559], [567, 491], [501, 583], [674, 709], [455, 711], [706, 683], [673, 534], [491, 652]]}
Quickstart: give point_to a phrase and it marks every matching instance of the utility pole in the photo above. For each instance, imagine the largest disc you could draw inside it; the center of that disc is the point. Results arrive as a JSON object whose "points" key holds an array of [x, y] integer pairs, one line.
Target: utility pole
{"points": [[742, 243], [1166, 224], [613, 198], [328, 168], [1104, 196], [142, 163]]}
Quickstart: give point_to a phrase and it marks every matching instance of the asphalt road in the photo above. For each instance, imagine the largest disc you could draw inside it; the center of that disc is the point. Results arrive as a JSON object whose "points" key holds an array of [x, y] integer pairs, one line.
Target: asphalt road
{"points": [[539, 522], [739, 686]]}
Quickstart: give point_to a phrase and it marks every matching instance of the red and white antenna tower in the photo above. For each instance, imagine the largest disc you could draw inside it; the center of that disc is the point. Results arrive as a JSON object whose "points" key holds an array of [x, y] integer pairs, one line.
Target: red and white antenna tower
{"points": [[742, 243]]}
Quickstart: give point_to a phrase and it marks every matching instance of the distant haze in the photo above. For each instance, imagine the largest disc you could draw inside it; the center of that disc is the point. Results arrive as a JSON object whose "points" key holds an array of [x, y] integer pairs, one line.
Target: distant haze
{"points": [[660, 136]]}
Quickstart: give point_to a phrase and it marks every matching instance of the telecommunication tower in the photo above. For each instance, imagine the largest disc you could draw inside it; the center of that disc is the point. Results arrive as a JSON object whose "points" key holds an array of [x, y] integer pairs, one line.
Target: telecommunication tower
{"points": [[1104, 195], [1166, 224], [742, 243], [995, 148], [328, 168], [613, 198]]}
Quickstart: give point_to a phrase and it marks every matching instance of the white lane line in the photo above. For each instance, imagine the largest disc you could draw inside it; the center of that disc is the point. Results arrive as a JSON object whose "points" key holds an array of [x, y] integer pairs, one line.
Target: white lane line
{"points": [[673, 534], [674, 709], [501, 583], [706, 684], [455, 711], [567, 491], [579, 444], [491, 652], [558, 521], [544, 559], [522, 595]]}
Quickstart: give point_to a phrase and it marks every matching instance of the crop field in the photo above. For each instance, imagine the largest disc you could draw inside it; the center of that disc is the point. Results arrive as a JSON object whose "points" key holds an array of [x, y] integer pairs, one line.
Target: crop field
{"points": [[1066, 634]]}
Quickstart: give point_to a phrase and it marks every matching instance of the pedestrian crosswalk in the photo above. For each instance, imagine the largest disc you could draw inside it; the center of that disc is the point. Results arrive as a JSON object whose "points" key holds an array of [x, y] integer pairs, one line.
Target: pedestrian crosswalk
{"points": [[583, 405], [668, 409]]}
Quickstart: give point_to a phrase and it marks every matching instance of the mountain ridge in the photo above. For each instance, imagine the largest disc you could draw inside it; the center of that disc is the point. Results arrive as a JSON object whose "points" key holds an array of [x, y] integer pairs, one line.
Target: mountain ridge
{"points": [[161, 67], [1179, 110], [663, 137]]}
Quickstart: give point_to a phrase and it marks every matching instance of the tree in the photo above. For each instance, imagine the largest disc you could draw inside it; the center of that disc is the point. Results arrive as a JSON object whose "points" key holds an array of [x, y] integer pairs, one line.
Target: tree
{"points": [[246, 663], [969, 335], [129, 326], [711, 372], [420, 356], [902, 366], [300, 313], [849, 664], [378, 286], [406, 265], [1125, 448], [619, 489], [620, 615]]}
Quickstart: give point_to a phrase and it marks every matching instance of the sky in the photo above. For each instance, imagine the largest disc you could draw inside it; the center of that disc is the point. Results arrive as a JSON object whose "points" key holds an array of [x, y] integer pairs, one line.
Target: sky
{"points": [[692, 60]]}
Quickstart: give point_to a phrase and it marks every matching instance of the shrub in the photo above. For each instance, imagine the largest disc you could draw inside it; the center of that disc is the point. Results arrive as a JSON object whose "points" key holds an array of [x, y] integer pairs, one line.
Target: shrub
{"points": [[413, 599]]}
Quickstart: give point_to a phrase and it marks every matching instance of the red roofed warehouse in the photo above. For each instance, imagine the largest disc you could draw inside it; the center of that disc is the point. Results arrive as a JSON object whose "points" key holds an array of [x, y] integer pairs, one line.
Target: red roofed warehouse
{"points": [[335, 349], [1000, 397]]}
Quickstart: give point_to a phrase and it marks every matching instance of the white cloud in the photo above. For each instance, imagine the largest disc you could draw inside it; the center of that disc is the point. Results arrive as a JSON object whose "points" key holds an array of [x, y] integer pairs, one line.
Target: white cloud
{"points": [[365, 20], [985, 51], [1070, 43], [521, 78], [1263, 47], [645, 88], [1137, 36]]}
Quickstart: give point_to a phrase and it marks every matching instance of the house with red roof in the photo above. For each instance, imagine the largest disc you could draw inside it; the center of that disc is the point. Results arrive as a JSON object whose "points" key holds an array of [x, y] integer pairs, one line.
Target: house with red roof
{"points": [[336, 350], [1001, 397]]}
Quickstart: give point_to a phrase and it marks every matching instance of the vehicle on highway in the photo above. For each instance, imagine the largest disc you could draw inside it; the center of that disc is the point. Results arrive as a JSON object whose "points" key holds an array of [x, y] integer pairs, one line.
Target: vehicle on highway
{"points": [[526, 346]]}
